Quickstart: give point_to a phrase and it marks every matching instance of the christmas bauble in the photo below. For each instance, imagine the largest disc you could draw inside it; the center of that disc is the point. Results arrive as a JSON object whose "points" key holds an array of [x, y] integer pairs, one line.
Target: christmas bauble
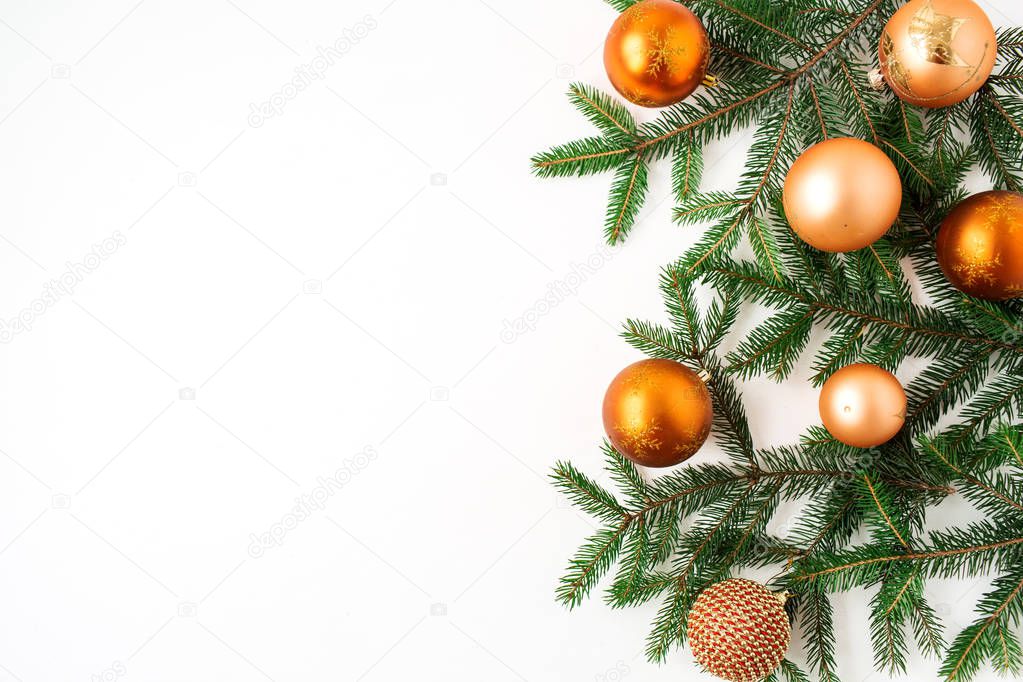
{"points": [[657, 412], [656, 53], [980, 246], [738, 630], [842, 195], [937, 52], [863, 405]]}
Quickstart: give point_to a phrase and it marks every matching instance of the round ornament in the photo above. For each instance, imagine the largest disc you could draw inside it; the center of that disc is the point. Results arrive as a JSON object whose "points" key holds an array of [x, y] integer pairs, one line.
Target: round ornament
{"points": [[980, 246], [842, 195], [738, 630], [935, 53], [863, 405], [656, 53], [657, 412]]}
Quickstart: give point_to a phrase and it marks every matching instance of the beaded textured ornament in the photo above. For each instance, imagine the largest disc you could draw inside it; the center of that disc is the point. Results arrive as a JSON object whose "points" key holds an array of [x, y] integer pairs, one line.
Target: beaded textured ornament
{"points": [[738, 630]]}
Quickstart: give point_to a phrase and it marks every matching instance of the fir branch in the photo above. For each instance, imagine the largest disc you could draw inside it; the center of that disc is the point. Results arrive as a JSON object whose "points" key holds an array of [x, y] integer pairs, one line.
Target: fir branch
{"points": [[585, 493], [607, 114], [722, 48], [881, 501], [926, 627], [942, 385], [774, 346], [662, 137], [729, 413], [722, 315], [930, 330], [669, 626], [590, 562], [1001, 398], [998, 136], [839, 350], [697, 208], [983, 487], [819, 631], [791, 672], [692, 485], [631, 570], [843, 570], [582, 157], [1013, 442], [983, 639], [687, 168], [856, 98], [680, 303], [627, 194], [751, 527], [818, 110], [756, 22], [626, 475], [769, 148], [656, 341], [887, 621]]}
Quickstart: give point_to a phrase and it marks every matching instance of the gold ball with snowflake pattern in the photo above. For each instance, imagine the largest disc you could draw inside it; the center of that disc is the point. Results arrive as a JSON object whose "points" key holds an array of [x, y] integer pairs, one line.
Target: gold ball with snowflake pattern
{"points": [[657, 412], [656, 53], [980, 246]]}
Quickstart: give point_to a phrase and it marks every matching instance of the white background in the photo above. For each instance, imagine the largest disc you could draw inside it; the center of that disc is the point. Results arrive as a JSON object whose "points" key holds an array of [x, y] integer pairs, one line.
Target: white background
{"points": [[281, 298]]}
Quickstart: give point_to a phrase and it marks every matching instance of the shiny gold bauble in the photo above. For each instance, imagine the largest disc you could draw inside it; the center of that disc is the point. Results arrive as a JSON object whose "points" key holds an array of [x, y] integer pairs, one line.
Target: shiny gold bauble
{"points": [[980, 246], [657, 412], [738, 630], [863, 405], [935, 53], [656, 53], [842, 195]]}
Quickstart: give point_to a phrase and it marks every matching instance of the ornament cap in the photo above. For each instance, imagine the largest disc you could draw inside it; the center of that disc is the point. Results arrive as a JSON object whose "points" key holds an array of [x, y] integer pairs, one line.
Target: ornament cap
{"points": [[876, 79]]}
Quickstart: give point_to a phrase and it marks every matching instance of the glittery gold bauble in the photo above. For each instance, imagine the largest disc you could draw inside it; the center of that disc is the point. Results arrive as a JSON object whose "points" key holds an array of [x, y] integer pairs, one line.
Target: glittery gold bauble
{"points": [[738, 630], [980, 246], [863, 405], [656, 53], [842, 195], [657, 412], [935, 53]]}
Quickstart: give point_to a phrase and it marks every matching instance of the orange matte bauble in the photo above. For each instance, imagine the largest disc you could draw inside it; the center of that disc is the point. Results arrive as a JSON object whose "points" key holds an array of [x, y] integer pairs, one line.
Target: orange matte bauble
{"points": [[842, 195], [980, 246], [935, 53], [738, 630], [656, 53], [863, 405], [657, 412]]}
